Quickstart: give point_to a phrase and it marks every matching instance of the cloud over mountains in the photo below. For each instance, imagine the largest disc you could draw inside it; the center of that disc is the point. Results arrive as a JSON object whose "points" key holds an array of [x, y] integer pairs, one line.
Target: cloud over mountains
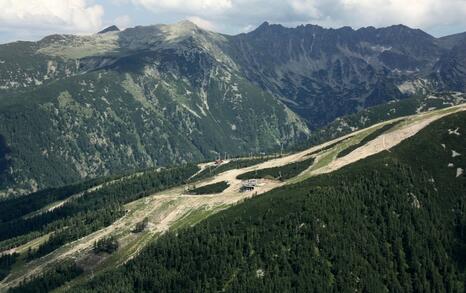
{"points": [[76, 16], [38, 17]]}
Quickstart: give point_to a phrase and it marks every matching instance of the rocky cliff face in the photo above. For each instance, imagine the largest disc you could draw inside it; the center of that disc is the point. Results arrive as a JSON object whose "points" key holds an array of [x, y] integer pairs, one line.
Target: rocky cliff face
{"points": [[74, 107], [450, 71], [325, 73]]}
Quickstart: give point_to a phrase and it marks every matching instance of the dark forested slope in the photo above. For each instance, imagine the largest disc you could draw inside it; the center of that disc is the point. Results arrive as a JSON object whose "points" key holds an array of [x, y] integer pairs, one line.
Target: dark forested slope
{"points": [[393, 222]]}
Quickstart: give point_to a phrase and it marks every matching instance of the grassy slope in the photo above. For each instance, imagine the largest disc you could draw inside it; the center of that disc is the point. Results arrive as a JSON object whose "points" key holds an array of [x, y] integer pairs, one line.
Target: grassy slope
{"points": [[104, 122], [394, 221]]}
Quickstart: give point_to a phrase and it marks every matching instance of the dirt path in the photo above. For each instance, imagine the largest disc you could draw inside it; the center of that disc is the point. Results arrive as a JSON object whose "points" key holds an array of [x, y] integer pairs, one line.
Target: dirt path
{"points": [[387, 140]]}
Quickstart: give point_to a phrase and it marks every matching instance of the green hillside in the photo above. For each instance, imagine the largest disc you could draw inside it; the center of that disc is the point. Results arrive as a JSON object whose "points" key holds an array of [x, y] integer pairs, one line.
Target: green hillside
{"points": [[392, 222], [50, 237]]}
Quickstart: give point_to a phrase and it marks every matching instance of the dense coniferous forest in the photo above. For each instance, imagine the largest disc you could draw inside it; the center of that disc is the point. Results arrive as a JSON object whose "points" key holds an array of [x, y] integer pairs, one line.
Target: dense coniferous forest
{"points": [[77, 227], [393, 222], [281, 173], [107, 245], [50, 280], [12, 208], [107, 197], [6, 261]]}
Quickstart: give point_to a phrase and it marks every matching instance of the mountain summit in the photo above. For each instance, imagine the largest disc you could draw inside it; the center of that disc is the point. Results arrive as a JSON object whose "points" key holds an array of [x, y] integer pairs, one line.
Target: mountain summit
{"points": [[112, 28]]}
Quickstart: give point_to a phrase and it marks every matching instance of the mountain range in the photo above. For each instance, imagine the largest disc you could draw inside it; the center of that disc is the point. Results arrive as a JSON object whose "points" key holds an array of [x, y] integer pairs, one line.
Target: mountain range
{"points": [[80, 107], [170, 158]]}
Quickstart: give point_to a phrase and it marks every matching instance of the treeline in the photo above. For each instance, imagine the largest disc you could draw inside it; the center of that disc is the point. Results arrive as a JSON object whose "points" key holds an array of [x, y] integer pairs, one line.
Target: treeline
{"points": [[108, 245], [326, 148], [345, 233], [77, 227], [280, 173], [210, 188], [368, 117]]}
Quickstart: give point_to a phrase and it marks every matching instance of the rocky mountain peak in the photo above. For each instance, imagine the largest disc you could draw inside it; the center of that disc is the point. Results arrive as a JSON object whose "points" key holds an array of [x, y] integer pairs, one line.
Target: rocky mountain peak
{"points": [[265, 24], [180, 29], [185, 24], [267, 27], [109, 29]]}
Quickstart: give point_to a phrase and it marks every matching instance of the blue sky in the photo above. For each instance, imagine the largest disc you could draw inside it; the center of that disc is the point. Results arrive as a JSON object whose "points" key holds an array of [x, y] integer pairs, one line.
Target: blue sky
{"points": [[33, 19]]}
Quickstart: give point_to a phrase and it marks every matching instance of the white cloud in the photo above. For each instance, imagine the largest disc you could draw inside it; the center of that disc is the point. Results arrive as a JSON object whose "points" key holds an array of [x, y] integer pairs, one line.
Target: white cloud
{"points": [[357, 13], [416, 13], [75, 16], [306, 8], [237, 13], [203, 23], [247, 28], [123, 21], [35, 18], [186, 6]]}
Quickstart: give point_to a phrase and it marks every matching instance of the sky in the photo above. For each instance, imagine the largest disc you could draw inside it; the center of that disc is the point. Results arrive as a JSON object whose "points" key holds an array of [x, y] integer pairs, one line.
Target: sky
{"points": [[34, 19]]}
